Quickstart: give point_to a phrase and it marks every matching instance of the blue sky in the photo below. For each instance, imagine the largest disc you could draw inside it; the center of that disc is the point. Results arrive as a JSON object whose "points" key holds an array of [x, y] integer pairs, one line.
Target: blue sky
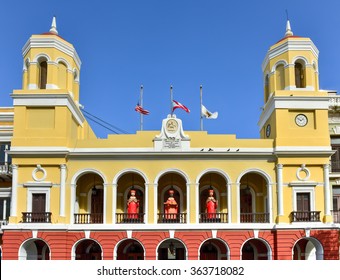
{"points": [[184, 43]]}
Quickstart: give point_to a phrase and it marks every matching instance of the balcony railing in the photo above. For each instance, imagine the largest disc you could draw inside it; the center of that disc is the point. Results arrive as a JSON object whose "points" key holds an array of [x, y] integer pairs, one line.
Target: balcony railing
{"points": [[214, 217], [180, 218], [305, 216], [36, 217], [126, 218], [3, 223], [336, 216], [88, 218], [254, 217]]}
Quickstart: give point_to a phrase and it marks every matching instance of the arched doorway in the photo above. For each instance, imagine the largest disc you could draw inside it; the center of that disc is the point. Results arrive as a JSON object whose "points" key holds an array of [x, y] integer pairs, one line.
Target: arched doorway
{"points": [[254, 195], [213, 249], [88, 249], [89, 201], [34, 249], [171, 249], [256, 249], [130, 249], [308, 249], [172, 205], [128, 182]]}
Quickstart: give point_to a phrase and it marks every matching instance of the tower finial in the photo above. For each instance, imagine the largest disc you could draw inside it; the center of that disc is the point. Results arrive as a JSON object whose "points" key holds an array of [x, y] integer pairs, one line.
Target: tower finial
{"points": [[54, 26], [289, 31]]}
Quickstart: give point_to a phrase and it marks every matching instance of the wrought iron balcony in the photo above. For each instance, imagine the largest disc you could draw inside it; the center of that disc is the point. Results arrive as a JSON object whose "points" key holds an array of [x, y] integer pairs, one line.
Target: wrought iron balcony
{"points": [[164, 218], [5, 171], [213, 217], [336, 216], [254, 217], [305, 216], [36, 217], [127, 218], [88, 218]]}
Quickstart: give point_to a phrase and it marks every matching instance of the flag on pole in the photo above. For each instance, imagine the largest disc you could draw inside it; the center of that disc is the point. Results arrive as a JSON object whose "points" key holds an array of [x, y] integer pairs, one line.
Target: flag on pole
{"points": [[176, 104], [207, 114], [141, 110]]}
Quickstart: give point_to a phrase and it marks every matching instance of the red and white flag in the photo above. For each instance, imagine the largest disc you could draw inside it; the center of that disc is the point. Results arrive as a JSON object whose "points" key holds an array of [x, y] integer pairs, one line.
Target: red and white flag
{"points": [[141, 110], [176, 104]]}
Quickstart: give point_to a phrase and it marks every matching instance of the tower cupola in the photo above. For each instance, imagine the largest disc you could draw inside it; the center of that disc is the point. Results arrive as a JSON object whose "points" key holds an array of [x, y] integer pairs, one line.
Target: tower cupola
{"points": [[51, 63], [290, 64]]}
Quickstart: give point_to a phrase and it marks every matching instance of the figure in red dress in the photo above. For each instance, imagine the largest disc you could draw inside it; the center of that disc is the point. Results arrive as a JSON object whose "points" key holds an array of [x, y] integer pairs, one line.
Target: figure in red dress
{"points": [[133, 205], [171, 206], [211, 205]]}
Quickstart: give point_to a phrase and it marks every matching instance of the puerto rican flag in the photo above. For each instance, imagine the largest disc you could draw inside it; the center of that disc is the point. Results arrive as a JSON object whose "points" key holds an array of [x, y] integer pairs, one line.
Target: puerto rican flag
{"points": [[141, 110], [176, 104]]}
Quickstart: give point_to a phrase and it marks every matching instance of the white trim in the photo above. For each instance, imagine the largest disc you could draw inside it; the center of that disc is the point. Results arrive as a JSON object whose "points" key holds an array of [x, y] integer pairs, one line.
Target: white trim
{"points": [[304, 189], [50, 42], [294, 44], [48, 100], [292, 102], [34, 190]]}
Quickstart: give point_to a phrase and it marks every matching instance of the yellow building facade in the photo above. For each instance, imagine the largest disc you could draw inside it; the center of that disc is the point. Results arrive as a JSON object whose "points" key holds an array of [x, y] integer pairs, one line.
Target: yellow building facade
{"points": [[74, 196]]}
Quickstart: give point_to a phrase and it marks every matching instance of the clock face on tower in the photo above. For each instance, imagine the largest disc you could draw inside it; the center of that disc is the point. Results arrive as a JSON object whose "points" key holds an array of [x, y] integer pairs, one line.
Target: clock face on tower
{"points": [[171, 126], [301, 120]]}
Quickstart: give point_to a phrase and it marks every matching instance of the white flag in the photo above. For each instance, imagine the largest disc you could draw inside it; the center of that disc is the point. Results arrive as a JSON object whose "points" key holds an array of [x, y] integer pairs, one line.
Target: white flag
{"points": [[208, 114]]}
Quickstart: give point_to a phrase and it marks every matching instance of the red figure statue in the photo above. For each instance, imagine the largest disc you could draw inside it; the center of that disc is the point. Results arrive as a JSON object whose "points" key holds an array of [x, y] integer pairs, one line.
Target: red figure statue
{"points": [[133, 205], [171, 206], [211, 205]]}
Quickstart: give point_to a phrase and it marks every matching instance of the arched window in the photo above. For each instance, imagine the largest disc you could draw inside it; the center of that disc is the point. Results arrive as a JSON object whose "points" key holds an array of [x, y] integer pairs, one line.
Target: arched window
{"points": [[299, 74], [62, 75], [266, 88], [280, 77], [42, 73]]}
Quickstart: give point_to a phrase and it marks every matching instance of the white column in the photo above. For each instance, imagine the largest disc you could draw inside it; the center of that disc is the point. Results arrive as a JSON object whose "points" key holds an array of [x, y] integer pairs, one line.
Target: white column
{"points": [[62, 190], [146, 203], [104, 202], [73, 202], [279, 168], [229, 202], [326, 189], [155, 196], [197, 207], [238, 204], [114, 202], [270, 202], [14, 190], [4, 209], [188, 202]]}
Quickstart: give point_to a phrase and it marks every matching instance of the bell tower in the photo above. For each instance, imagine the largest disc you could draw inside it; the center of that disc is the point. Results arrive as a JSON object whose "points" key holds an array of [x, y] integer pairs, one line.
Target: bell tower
{"points": [[295, 110], [47, 109]]}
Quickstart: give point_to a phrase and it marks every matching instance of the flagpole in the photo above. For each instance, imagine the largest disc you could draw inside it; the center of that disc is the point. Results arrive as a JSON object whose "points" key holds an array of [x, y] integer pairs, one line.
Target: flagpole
{"points": [[141, 104], [171, 98], [201, 117]]}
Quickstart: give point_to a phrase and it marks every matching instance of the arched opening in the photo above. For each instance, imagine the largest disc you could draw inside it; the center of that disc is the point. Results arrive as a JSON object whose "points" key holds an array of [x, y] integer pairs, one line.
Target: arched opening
{"points": [[130, 250], [131, 208], [255, 249], [266, 88], [88, 250], [253, 199], [171, 249], [62, 75], [171, 203], [308, 249], [42, 73], [280, 77], [89, 203], [212, 208], [213, 249], [34, 249], [300, 74]]}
